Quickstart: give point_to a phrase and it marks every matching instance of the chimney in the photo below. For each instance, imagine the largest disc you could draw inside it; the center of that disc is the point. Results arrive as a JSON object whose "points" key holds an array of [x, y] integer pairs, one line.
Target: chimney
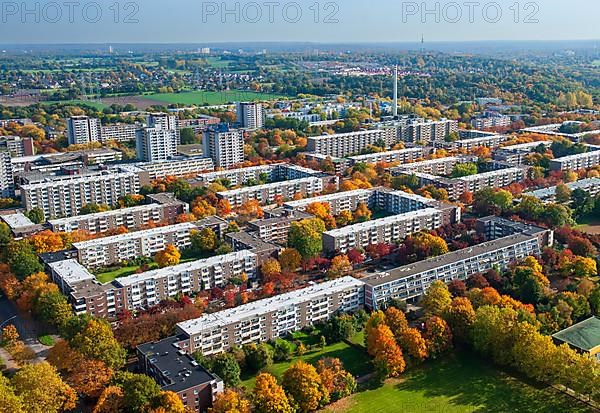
{"points": [[395, 108]]}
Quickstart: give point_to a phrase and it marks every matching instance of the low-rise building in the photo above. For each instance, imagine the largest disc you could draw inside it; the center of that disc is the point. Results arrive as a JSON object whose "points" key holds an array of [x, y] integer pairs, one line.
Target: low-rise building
{"points": [[276, 228], [591, 186], [584, 337], [17, 146], [400, 156], [492, 141], [385, 230], [576, 162], [268, 193], [176, 371], [270, 318], [440, 166], [344, 144], [177, 167], [103, 252], [20, 225], [133, 218], [338, 202], [515, 155]]}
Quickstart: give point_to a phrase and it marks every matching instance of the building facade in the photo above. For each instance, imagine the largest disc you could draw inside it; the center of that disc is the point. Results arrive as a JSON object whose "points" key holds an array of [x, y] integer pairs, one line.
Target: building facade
{"points": [[107, 251], [344, 144], [270, 318], [83, 129], [155, 144], [576, 162], [223, 145], [250, 115]]}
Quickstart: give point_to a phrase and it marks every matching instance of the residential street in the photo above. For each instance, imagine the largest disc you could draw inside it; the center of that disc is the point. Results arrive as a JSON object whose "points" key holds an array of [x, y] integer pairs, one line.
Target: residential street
{"points": [[25, 326]]}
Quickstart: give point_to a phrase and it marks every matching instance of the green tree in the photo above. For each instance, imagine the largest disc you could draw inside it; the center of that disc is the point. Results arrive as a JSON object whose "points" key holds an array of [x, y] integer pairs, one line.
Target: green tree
{"points": [[94, 339], [226, 367], [203, 241], [258, 356], [188, 136], [9, 401], [53, 308], [306, 237], [139, 391], [36, 215], [5, 235], [464, 169], [437, 299], [22, 259]]}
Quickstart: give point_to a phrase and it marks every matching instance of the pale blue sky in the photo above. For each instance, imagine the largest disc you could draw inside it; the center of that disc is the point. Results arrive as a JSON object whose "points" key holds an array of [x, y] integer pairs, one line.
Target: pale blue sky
{"points": [[168, 21]]}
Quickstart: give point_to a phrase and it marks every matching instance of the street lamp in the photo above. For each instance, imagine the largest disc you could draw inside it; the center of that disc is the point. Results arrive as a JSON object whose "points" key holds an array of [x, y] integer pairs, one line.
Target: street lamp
{"points": [[6, 321]]}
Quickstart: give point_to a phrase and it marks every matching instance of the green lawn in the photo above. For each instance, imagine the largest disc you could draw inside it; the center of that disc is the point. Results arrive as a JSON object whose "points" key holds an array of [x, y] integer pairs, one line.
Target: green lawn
{"points": [[76, 102], [590, 224], [459, 384], [109, 276], [46, 340], [211, 98], [355, 361]]}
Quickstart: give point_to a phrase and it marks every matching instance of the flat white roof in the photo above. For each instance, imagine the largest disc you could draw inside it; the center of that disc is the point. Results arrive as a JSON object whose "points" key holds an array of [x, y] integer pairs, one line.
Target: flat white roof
{"points": [[525, 145], [576, 156], [343, 135], [64, 181], [492, 173], [134, 235], [234, 315], [97, 215], [351, 229], [15, 221], [181, 268], [328, 197], [433, 161], [581, 184], [380, 154], [267, 186], [237, 170], [71, 271]]}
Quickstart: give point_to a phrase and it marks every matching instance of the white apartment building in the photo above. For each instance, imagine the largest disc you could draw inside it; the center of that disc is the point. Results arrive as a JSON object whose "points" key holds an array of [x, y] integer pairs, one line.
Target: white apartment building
{"points": [[270, 318], [224, 146], [344, 144], [178, 167], [64, 197], [83, 129], [338, 202], [155, 144], [401, 156], [120, 132], [576, 162], [266, 194], [385, 230], [250, 115], [102, 252], [7, 184]]}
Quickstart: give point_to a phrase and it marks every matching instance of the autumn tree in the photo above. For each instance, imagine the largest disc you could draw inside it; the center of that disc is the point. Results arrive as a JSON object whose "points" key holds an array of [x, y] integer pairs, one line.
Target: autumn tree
{"points": [[90, 377], [340, 266], [203, 241], [202, 209], [270, 269], [42, 390], [413, 343], [224, 208], [251, 210], [437, 336], [269, 397], [362, 213], [9, 401], [10, 335], [433, 244], [437, 299], [304, 386], [230, 401], [344, 218], [111, 400], [168, 257], [396, 320], [22, 259], [139, 391], [47, 241], [460, 315], [94, 339], [306, 237], [337, 381], [54, 309], [290, 259], [387, 355]]}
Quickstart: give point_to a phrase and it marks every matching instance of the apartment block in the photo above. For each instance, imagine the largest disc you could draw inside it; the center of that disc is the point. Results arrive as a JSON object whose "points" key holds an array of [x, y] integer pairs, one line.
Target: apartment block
{"points": [[119, 132], [250, 115], [576, 162], [492, 141], [344, 144], [107, 251], [7, 183], [63, 196], [198, 124], [424, 132], [237, 177], [133, 218], [440, 166], [515, 155], [457, 186], [413, 280], [83, 129], [161, 120], [339, 164], [270, 318], [154, 144], [268, 193], [591, 186], [385, 230], [338, 202], [176, 371], [149, 288], [178, 167], [223, 145], [400, 202], [17, 146], [488, 122], [275, 229], [400, 156]]}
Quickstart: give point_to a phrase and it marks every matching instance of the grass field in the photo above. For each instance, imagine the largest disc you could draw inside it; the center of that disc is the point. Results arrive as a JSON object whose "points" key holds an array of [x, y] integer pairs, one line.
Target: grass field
{"points": [[77, 102], [461, 384], [109, 276], [355, 361], [210, 98], [589, 224]]}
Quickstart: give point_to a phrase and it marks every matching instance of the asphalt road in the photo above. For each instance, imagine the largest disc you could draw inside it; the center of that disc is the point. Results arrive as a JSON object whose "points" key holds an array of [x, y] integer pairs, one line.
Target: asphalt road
{"points": [[25, 326]]}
